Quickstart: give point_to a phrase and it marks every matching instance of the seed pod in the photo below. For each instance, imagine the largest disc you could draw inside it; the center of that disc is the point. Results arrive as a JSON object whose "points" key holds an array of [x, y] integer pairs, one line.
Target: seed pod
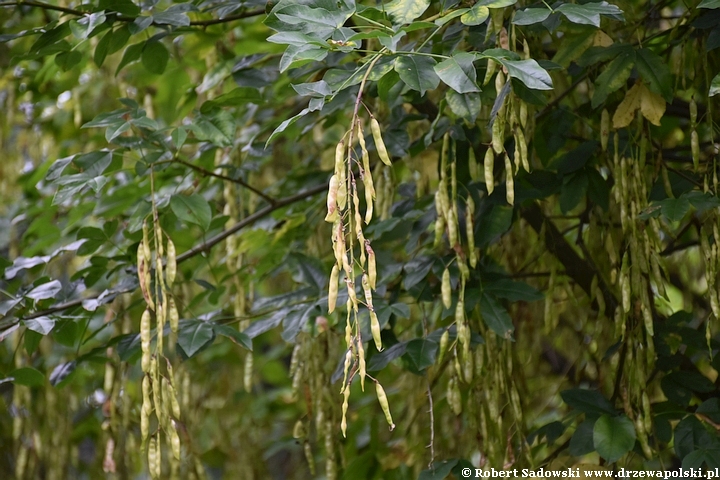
{"points": [[145, 340], [379, 144], [382, 398], [695, 147], [146, 241], [444, 340], [472, 164], [248, 372], [332, 210], [299, 430], [693, 113], [174, 440], [454, 396], [341, 195], [369, 196], [463, 332], [470, 231], [346, 369], [351, 293], [523, 114], [366, 290], [362, 365], [522, 144], [173, 315], [343, 422], [340, 159], [333, 288], [489, 71], [372, 267], [604, 129], [439, 231], [497, 134], [375, 329], [171, 266], [446, 289], [452, 228], [307, 449], [509, 182], [489, 165], [144, 423]]}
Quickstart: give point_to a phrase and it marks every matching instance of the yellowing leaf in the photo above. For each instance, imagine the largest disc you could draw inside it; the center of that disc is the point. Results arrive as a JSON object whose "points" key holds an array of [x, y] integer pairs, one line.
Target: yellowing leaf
{"points": [[626, 110], [652, 106], [602, 39]]}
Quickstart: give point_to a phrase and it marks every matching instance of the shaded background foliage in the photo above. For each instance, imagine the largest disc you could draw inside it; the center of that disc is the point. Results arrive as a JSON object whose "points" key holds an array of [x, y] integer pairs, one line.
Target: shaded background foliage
{"points": [[591, 310]]}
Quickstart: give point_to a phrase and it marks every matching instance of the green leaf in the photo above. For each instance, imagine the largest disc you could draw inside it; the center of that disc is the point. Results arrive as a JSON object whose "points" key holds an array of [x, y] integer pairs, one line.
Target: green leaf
{"points": [[494, 223], [512, 290], [126, 7], [653, 70], [440, 470], [41, 325], [715, 85], [296, 56], [458, 72], [46, 290], [496, 3], [613, 436], [417, 72], [581, 443], [217, 127], [711, 409], [381, 360], [573, 191], [102, 48], [464, 105], [421, 353], [530, 16], [450, 16], [193, 209], [496, 317], [155, 57], [233, 334], [28, 376], [528, 72], [588, 13], [67, 60], [571, 48], [132, 53], [598, 189], [193, 335], [709, 4], [587, 401], [613, 77], [690, 435], [403, 12], [674, 209], [476, 15]]}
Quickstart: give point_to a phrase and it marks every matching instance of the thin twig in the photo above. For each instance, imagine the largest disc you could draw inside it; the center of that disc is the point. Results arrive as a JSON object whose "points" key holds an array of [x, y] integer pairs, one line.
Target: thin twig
{"points": [[239, 181], [432, 426], [283, 202]]}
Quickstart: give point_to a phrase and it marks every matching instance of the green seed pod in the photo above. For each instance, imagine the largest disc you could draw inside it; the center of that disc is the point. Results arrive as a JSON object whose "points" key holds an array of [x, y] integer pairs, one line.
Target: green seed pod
{"points": [[362, 365], [452, 227], [382, 398], [379, 144], [693, 113], [523, 114], [375, 329], [333, 288], [153, 458], [604, 129], [489, 165], [470, 231], [439, 231], [174, 441], [346, 369], [307, 449], [489, 71], [173, 315], [695, 148], [146, 241], [473, 165], [299, 430], [248, 372], [446, 289], [145, 340], [509, 182], [498, 134], [522, 144]]}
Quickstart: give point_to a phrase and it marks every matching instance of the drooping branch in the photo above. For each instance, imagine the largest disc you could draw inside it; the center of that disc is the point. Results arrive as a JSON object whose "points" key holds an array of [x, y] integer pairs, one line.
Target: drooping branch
{"points": [[124, 18], [203, 247]]}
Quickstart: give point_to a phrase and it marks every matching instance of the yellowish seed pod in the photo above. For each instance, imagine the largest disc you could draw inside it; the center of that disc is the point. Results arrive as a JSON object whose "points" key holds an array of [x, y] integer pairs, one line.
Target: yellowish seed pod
{"points": [[375, 329], [452, 227], [382, 398], [604, 129], [454, 396], [248, 372], [341, 195], [343, 421], [695, 148], [489, 165], [340, 159], [473, 165], [444, 340], [351, 293], [463, 331], [307, 449], [146, 241], [490, 71], [333, 288], [367, 291], [446, 289], [173, 315], [522, 144], [470, 231], [171, 266], [145, 335], [144, 423], [439, 230], [299, 430], [379, 144], [332, 210], [497, 134], [372, 267], [174, 441], [346, 370], [152, 458], [509, 182], [523, 114], [369, 196], [693, 113], [362, 365]]}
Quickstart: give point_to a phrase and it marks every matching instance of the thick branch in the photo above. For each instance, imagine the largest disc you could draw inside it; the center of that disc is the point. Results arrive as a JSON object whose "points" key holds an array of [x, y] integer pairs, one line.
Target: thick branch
{"points": [[283, 202], [577, 268]]}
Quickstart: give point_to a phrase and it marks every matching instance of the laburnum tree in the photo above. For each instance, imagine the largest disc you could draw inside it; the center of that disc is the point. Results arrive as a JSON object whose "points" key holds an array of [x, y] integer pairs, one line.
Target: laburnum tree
{"points": [[361, 239]]}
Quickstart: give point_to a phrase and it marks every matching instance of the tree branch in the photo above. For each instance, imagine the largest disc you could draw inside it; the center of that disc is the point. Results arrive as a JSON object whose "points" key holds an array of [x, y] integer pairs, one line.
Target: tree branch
{"points": [[239, 181], [283, 202], [122, 18]]}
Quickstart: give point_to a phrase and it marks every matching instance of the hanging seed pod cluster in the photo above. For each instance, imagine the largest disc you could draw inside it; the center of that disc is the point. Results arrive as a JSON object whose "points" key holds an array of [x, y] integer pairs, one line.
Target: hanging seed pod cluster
{"points": [[354, 255], [160, 410]]}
